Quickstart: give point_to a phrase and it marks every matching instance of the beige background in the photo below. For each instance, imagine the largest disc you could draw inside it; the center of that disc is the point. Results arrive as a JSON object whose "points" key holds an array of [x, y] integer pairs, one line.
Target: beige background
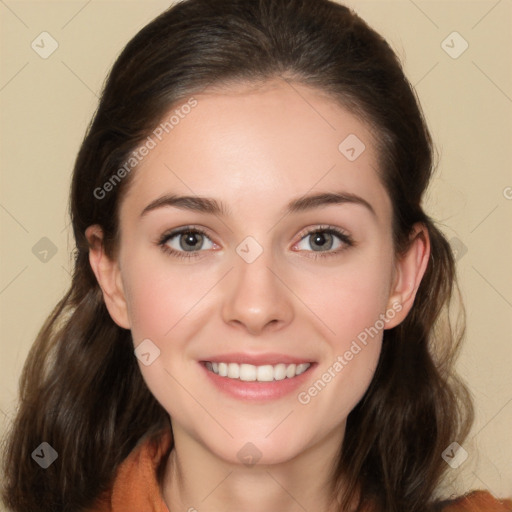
{"points": [[45, 106]]}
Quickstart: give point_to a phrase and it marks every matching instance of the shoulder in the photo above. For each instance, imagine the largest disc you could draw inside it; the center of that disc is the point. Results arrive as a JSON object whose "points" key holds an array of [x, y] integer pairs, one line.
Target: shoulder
{"points": [[476, 501]]}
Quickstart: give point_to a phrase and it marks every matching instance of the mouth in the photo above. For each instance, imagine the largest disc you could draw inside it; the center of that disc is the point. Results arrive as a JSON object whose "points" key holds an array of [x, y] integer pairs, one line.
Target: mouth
{"points": [[252, 373], [257, 383]]}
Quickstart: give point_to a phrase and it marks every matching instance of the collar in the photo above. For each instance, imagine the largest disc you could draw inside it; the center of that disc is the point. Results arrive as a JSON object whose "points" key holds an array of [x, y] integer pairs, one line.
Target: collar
{"points": [[136, 487]]}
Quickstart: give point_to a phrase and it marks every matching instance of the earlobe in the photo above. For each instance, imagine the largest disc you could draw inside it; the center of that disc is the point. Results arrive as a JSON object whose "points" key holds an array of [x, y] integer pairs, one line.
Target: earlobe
{"points": [[108, 275], [409, 271]]}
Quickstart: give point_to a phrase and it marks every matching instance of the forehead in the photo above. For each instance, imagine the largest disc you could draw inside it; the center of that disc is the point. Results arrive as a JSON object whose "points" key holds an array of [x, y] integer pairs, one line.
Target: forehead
{"points": [[276, 140]]}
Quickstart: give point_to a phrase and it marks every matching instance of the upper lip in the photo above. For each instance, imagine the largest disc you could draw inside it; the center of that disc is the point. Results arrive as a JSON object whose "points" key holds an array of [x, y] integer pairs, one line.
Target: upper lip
{"points": [[257, 359]]}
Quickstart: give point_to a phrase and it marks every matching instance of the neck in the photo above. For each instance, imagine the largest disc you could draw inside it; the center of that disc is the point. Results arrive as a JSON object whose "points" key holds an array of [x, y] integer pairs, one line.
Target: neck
{"points": [[197, 479]]}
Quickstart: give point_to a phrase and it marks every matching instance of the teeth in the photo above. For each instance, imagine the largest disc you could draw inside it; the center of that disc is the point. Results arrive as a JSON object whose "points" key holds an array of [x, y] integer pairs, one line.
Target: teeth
{"points": [[233, 371], [251, 373], [223, 369]]}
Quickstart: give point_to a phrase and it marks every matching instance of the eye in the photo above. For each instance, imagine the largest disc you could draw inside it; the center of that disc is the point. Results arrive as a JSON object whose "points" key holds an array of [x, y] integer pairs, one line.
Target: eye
{"points": [[188, 242], [185, 242], [326, 241]]}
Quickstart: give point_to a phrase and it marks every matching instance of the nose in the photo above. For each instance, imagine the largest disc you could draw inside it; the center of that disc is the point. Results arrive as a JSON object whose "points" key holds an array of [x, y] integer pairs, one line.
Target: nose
{"points": [[256, 297]]}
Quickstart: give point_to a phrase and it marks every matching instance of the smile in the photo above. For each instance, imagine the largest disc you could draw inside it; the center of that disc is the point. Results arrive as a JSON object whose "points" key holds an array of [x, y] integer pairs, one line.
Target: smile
{"points": [[251, 373]]}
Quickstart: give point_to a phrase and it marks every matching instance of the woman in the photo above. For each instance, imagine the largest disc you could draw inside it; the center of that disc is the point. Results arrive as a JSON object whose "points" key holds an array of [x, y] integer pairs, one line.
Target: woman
{"points": [[258, 313]]}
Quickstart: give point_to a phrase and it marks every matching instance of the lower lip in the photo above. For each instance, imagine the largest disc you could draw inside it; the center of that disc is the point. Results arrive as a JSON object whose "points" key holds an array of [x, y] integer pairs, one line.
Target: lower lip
{"points": [[260, 391]]}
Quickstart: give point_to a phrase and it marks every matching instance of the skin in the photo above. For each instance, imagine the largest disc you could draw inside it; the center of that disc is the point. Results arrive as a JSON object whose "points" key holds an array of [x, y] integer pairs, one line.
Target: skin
{"points": [[256, 149]]}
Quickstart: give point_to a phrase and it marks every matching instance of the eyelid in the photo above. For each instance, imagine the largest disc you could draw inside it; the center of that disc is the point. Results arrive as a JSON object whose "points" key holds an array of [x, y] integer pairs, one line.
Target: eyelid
{"points": [[171, 233], [322, 228]]}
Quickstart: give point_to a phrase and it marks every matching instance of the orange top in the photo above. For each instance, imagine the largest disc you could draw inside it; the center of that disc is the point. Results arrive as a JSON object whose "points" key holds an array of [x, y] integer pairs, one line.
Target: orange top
{"points": [[478, 501], [136, 487]]}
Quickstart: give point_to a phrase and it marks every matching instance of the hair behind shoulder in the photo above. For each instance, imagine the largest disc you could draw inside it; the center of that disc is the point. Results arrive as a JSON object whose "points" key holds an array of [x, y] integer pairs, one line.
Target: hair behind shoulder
{"points": [[81, 389]]}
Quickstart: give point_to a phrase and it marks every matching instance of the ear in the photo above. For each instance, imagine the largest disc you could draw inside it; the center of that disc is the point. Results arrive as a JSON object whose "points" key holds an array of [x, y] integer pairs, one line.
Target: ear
{"points": [[409, 271], [108, 275]]}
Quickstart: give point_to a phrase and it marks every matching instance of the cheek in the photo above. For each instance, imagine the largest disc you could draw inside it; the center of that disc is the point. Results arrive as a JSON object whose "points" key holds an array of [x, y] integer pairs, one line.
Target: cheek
{"points": [[351, 305], [161, 296], [164, 302], [349, 300]]}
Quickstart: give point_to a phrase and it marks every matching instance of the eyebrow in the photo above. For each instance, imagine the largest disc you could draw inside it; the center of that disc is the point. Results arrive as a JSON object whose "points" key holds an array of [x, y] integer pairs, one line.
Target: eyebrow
{"points": [[214, 207]]}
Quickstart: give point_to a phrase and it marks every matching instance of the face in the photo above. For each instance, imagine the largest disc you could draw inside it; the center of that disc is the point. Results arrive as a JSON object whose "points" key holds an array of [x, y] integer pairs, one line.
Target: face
{"points": [[288, 259]]}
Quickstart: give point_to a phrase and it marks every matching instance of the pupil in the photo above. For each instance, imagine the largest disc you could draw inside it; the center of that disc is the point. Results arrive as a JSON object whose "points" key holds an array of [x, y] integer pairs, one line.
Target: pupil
{"points": [[190, 239], [321, 240]]}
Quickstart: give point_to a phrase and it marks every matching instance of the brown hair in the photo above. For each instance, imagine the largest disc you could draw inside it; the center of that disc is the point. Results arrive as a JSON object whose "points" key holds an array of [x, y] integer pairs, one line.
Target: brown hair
{"points": [[81, 389]]}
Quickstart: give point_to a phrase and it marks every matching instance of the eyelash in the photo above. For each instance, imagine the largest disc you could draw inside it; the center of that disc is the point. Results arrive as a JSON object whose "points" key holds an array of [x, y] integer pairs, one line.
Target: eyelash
{"points": [[188, 255]]}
